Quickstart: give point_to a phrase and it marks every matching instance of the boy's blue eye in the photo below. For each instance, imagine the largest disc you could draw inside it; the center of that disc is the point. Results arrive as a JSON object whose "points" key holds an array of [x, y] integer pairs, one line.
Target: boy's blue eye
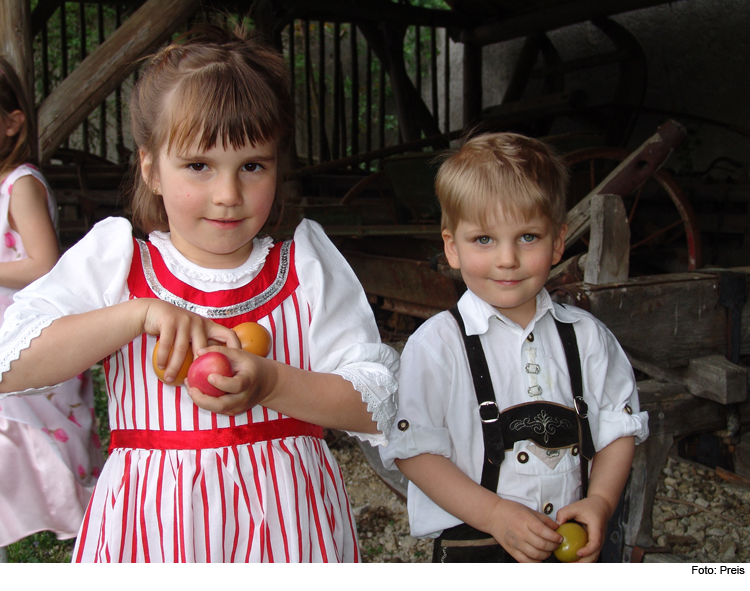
{"points": [[484, 240], [528, 238]]}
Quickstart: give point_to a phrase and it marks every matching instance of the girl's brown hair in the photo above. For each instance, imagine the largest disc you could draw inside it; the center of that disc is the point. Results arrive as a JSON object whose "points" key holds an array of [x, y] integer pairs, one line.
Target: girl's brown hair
{"points": [[13, 98], [209, 86], [524, 176]]}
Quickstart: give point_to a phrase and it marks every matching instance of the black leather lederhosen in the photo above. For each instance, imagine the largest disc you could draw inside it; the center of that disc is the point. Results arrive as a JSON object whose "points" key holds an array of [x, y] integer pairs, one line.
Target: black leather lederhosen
{"points": [[567, 427]]}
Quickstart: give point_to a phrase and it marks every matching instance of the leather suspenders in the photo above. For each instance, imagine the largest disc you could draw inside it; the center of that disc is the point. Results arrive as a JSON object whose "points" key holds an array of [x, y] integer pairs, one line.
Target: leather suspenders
{"points": [[489, 412]]}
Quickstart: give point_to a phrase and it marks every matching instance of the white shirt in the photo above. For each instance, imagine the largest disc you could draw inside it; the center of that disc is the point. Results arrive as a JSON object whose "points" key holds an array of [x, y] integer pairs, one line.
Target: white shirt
{"points": [[343, 335], [436, 397]]}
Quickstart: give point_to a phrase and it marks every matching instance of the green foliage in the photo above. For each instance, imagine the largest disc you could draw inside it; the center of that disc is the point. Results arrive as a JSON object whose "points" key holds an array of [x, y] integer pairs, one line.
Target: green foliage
{"points": [[41, 547]]}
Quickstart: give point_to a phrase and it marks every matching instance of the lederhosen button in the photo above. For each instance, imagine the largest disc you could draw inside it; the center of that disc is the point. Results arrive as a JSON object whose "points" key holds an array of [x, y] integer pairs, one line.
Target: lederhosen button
{"points": [[548, 508], [575, 451], [522, 457]]}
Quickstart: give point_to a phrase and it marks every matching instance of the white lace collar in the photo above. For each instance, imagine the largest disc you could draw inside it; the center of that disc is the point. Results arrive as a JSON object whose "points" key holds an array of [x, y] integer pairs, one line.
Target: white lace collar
{"points": [[177, 263]]}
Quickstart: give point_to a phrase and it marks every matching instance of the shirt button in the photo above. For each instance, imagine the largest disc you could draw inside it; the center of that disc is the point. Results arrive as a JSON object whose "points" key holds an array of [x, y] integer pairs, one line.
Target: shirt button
{"points": [[530, 338], [574, 450], [628, 410], [548, 508], [403, 425], [522, 457]]}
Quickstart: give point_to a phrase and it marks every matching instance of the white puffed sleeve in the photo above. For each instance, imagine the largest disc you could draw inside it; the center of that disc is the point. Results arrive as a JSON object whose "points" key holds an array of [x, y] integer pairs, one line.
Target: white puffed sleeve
{"points": [[344, 338], [91, 275], [609, 378]]}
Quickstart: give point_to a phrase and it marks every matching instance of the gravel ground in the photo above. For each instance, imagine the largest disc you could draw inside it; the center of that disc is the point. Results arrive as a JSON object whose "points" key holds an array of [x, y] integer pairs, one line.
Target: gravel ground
{"points": [[699, 517]]}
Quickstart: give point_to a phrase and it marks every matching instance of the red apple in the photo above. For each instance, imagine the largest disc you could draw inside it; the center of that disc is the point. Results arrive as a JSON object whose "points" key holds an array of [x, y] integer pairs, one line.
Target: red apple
{"points": [[205, 365]]}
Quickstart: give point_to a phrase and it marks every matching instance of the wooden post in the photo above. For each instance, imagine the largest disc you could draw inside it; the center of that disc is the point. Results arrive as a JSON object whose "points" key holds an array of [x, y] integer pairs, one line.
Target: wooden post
{"points": [[103, 71], [15, 33], [472, 83], [609, 242]]}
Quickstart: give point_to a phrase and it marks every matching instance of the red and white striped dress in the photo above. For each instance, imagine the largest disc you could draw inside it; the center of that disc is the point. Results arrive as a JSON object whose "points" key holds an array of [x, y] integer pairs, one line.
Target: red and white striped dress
{"points": [[183, 484]]}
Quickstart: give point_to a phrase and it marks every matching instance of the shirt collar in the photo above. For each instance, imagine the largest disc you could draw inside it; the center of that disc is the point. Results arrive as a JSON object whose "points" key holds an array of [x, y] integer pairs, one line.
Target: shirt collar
{"points": [[477, 313]]}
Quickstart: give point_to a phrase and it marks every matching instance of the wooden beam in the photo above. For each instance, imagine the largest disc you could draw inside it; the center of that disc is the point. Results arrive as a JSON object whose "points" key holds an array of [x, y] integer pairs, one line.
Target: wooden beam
{"points": [[608, 259], [105, 69], [376, 11], [15, 33], [559, 14], [666, 319]]}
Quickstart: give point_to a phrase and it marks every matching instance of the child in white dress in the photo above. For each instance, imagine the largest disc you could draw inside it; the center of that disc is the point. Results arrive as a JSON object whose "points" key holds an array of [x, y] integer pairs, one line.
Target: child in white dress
{"points": [[247, 476], [49, 451]]}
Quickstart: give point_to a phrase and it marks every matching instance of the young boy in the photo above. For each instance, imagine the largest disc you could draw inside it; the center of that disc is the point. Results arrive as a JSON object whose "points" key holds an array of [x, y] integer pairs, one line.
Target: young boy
{"points": [[497, 452]]}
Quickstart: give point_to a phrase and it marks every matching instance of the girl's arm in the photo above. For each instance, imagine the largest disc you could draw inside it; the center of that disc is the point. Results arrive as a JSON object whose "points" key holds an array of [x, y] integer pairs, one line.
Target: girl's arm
{"points": [[609, 473], [72, 344], [28, 215], [323, 399], [527, 535]]}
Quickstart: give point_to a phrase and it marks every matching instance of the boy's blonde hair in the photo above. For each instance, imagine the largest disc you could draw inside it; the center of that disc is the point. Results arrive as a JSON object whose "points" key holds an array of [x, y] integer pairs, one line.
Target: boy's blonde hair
{"points": [[209, 86], [524, 176], [13, 98]]}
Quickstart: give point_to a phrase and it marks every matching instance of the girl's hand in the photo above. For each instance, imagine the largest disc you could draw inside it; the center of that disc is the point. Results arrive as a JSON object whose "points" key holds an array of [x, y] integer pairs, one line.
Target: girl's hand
{"points": [[593, 514], [528, 536], [255, 377], [178, 330]]}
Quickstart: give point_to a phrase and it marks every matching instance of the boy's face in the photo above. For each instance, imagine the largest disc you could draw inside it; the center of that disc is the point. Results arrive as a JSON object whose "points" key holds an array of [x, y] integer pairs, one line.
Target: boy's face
{"points": [[505, 261]]}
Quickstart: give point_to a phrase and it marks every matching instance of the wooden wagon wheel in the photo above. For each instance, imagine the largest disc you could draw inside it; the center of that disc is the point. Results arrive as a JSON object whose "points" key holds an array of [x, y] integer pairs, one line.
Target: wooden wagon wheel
{"points": [[653, 227]]}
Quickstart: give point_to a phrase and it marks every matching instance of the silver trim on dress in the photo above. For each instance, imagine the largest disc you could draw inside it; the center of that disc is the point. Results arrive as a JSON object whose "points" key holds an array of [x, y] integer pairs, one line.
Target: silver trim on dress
{"points": [[257, 301]]}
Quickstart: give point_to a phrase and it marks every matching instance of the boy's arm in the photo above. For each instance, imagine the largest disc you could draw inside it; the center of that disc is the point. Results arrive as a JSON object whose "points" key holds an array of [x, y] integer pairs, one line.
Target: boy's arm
{"points": [[609, 473], [528, 536]]}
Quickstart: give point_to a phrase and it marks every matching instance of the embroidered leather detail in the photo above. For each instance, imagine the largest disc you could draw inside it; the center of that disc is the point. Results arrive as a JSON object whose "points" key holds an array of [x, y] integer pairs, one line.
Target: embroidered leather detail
{"points": [[542, 424], [209, 312]]}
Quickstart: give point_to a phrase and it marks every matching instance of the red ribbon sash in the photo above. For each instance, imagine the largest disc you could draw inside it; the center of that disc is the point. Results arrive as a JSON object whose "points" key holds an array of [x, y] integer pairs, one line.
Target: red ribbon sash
{"points": [[231, 436]]}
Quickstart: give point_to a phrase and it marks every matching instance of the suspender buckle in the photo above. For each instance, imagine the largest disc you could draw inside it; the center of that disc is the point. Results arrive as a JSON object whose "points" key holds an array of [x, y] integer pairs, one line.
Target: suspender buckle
{"points": [[582, 409], [488, 411]]}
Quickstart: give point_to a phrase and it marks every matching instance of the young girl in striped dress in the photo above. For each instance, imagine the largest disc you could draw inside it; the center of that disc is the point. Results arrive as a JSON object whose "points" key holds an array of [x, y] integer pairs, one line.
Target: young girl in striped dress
{"points": [[247, 476]]}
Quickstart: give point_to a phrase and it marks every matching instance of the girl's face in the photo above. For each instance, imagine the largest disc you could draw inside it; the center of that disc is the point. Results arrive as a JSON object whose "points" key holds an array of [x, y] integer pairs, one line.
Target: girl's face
{"points": [[216, 200]]}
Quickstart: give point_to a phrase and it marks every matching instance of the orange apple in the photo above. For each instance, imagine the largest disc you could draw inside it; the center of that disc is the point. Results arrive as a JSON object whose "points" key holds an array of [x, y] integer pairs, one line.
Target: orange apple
{"points": [[181, 375], [254, 338]]}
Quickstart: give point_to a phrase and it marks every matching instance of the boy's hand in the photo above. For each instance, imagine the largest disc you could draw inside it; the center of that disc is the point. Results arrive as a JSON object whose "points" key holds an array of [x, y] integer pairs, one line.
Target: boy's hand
{"points": [[178, 330], [528, 536], [254, 378], [593, 514]]}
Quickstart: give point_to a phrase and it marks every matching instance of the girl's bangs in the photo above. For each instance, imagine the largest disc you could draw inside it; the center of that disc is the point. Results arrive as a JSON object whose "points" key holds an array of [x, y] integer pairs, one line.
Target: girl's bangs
{"points": [[203, 114]]}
